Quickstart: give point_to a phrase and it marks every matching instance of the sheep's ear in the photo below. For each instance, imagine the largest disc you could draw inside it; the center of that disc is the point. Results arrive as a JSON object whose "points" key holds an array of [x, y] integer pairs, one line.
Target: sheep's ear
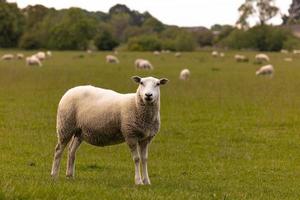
{"points": [[163, 81], [136, 79]]}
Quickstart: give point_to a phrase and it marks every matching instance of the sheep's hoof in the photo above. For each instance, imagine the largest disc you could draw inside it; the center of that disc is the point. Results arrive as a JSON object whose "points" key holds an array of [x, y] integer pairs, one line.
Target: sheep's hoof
{"points": [[70, 176], [146, 182], [139, 182]]}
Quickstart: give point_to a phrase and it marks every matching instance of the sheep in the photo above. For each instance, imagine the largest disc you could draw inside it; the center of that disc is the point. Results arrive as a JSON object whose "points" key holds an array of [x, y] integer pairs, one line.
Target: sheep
{"points": [[215, 54], [112, 59], [104, 117], [177, 54], [222, 55], [241, 58], [7, 57], [284, 51], [33, 60], [20, 56], [156, 53], [41, 55], [288, 59], [260, 58], [265, 70], [142, 64], [49, 54], [296, 51], [184, 74], [89, 51]]}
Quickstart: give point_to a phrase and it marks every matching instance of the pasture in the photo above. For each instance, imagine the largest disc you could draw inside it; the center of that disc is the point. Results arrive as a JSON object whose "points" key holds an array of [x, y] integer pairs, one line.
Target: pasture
{"points": [[226, 134]]}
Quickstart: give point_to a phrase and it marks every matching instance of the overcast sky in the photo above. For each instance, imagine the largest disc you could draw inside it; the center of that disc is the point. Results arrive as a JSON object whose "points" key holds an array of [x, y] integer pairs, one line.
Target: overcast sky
{"points": [[172, 12]]}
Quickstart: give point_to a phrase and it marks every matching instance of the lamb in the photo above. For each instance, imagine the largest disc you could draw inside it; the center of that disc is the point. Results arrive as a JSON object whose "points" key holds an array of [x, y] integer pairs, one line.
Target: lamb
{"points": [[41, 55], [184, 74], [142, 64], [104, 117], [112, 59], [265, 70], [7, 57], [241, 58], [33, 60], [260, 58], [20, 56]]}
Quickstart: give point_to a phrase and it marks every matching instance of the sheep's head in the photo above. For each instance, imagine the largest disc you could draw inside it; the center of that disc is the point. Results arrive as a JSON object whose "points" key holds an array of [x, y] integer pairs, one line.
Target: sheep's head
{"points": [[148, 89]]}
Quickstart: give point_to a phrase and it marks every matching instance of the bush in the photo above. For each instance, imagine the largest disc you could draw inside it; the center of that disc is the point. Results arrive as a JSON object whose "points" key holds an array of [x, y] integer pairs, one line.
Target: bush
{"points": [[105, 41], [29, 41], [185, 42], [144, 43]]}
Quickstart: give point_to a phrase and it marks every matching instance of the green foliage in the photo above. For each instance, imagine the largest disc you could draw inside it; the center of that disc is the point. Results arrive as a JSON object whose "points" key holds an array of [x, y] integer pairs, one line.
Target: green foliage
{"points": [[291, 43], [105, 41], [144, 43], [185, 42], [204, 38], [262, 38], [11, 24]]}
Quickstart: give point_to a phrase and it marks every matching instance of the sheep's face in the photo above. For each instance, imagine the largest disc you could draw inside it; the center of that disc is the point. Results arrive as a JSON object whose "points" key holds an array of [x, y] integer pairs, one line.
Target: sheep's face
{"points": [[148, 89]]}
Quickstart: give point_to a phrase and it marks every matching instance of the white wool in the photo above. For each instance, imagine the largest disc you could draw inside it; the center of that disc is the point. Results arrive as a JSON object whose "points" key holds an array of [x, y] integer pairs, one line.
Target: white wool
{"points": [[241, 58], [41, 55], [288, 59], [49, 53], [184, 74], [33, 60], [20, 56], [7, 57], [112, 59], [156, 53], [215, 54], [284, 51], [262, 58], [177, 54], [265, 70], [296, 51], [142, 64], [104, 117]]}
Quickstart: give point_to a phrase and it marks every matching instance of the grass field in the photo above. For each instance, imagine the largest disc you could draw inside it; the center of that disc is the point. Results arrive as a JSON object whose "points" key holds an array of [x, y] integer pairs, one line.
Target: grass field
{"points": [[226, 134]]}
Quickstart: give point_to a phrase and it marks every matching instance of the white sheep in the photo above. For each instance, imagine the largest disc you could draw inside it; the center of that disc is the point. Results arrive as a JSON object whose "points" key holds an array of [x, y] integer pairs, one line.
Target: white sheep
{"points": [[20, 56], [112, 59], [104, 117], [156, 53], [7, 57], [288, 59], [241, 58], [265, 70], [284, 51], [260, 58], [222, 55], [184, 74], [49, 54], [215, 54], [142, 64], [41, 55], [33, 60], [296, 51], [177, 54]]}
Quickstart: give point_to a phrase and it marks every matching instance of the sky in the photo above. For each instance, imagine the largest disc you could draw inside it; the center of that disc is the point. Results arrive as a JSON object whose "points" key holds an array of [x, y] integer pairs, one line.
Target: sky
{"points": [[171, 12]]}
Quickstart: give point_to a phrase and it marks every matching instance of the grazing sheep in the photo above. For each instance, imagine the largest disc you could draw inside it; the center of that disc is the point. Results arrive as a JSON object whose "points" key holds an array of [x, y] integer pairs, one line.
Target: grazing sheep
{"points": [[288, 59], [49, 53], [241, 58], [177, 54], [265, 70], [89, 51], [260, 58], [142, 64], [296, 51], [33, 60], [7, 57], [112, 59], [20, 56], [215, 54], [104, 117], [41, 55], [184, 74], [157, 53], [284, 51]]}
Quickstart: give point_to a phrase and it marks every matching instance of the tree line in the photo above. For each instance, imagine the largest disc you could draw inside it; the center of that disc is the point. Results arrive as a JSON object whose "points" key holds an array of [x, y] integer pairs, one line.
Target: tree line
{"points": [[39, 27]]}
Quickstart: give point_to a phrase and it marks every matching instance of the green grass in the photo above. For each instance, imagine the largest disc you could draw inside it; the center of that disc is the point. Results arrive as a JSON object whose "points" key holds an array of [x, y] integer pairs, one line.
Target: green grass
{"points": [[226, 134]]}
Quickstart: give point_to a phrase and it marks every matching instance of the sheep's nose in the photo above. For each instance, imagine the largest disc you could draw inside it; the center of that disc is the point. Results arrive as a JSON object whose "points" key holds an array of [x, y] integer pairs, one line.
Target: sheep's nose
{"points": [[148, 95]]}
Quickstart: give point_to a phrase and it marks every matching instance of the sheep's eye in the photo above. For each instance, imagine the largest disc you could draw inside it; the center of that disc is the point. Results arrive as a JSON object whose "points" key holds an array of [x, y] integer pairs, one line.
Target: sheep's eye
{"points": [[157, 84], [141, 83]]}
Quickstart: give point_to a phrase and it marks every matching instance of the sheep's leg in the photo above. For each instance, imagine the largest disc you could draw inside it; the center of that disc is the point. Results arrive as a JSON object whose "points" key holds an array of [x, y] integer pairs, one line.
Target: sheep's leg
{"points": [[144, 158], [57, 157], [75, 143], [133, 145]]}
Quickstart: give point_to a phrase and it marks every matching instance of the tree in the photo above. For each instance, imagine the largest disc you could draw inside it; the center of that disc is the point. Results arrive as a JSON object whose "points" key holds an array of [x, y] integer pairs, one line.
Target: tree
{"points": [[11, 24], [105, 41], [265, 10]]}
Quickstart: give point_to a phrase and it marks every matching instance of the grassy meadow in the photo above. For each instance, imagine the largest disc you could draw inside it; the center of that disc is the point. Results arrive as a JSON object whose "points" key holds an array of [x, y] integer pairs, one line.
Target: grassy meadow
{"points": [[225, 134]]}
